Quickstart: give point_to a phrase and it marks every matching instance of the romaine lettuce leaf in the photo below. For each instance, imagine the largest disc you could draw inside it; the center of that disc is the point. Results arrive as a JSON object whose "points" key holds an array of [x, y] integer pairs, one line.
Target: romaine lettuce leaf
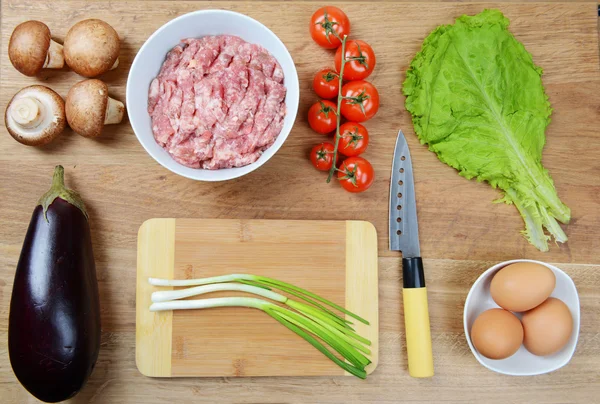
{"points": [[477, 100]]}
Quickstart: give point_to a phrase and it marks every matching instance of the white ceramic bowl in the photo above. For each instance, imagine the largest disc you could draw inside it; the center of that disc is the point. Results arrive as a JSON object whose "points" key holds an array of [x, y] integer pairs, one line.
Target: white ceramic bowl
{"points": [[522, 363], [151, 56]]}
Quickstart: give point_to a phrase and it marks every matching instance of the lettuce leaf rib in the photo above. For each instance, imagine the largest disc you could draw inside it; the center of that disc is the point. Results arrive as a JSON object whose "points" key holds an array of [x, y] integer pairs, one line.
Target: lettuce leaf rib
{"points": [[477, 100]]}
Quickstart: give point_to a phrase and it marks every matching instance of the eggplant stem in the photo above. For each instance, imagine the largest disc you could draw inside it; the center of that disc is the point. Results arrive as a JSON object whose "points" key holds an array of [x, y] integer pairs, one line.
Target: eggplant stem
{"points": [[59, 190]]}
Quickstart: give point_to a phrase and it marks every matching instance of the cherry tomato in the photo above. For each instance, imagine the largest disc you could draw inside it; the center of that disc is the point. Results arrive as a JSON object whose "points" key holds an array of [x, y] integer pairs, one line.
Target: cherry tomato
{"points": [[325, 23], [321, 156], [361, 60], [326, 84], [356, 174], [363, 101], [322, 117], [354, 139]]}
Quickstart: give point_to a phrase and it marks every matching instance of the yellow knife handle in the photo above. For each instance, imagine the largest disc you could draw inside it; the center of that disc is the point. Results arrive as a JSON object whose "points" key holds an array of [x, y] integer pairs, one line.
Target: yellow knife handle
{"points": [[416, 319]]}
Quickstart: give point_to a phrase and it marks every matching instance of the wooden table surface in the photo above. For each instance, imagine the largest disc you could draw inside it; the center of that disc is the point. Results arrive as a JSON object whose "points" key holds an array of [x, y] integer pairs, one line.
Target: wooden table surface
{"points": [[123, 186]]}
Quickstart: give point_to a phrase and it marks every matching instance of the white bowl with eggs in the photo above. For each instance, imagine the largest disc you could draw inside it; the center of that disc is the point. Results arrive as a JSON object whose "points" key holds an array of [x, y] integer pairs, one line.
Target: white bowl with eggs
{"points": [[151, 56], [523, 362]]}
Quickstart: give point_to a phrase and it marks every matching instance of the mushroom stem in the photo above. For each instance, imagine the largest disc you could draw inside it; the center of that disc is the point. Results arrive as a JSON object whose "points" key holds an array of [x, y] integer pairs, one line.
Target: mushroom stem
{"points": [[35, 115], [55, 58], [114, 112], [115, 65], [27, 112]]}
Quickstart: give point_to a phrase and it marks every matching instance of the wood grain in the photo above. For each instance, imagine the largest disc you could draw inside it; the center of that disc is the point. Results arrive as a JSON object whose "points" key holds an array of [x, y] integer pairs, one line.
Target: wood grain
{"points": [[234, 342], [462, 232], [361, 280], [239, 341], [153, 332]]}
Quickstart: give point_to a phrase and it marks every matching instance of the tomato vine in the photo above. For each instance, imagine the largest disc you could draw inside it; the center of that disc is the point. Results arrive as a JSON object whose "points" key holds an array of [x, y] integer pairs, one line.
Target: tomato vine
{"points": [[339, 107]]}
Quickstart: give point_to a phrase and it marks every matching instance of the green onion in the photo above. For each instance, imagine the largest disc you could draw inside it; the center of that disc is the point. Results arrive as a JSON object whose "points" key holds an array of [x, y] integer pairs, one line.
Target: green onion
{"points": [[297, 294], [166, 295], [163, 296], [315, 323], [257, 280]]}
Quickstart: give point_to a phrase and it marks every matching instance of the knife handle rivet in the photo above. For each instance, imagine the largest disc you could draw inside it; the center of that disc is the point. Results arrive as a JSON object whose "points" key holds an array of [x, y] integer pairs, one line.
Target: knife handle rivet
{"points": [[402, 158], [402, 170]]}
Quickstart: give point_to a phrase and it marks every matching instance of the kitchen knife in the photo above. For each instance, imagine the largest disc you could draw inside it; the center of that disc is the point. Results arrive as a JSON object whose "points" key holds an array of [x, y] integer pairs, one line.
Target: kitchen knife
{"points": [[404, 236]]}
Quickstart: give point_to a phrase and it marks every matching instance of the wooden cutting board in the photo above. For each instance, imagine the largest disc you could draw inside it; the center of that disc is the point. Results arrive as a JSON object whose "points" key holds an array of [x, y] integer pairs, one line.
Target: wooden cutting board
{"points": [[341, 267]]}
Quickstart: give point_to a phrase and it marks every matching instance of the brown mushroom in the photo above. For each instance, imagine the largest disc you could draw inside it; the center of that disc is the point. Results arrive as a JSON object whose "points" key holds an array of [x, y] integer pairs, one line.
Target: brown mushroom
{"points": [[31, 49], [92, 47], [35, 115], [89, 108]]}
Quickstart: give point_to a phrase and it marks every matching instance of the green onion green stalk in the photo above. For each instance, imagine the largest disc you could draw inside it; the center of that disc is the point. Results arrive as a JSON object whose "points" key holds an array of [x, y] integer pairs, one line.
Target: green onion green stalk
{"points": [[315, 322]]}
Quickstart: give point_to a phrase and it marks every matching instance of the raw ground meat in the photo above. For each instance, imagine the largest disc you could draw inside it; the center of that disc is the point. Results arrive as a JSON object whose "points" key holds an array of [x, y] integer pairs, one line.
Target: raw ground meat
{"points": [[217, 102]]}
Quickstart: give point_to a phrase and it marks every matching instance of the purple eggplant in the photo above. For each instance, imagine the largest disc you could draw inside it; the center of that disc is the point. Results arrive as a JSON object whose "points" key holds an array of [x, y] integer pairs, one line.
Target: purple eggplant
{"points": [[54, 322]]}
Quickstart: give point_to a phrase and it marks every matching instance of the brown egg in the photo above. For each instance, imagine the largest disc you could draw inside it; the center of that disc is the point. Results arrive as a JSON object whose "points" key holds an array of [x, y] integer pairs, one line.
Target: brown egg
{"points": [[497, 334], [547, 327], [522, 286]]}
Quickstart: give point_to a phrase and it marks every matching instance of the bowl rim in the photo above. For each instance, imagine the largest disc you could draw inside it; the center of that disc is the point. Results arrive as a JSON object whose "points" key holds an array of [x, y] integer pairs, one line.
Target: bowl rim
{"points": [[178, 168], [486, 274]]}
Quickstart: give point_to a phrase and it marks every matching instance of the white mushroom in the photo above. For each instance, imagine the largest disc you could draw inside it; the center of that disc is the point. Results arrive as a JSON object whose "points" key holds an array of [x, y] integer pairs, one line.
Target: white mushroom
{"points": [[35, 115], [31, 49], [89, 108], [92, 47]]}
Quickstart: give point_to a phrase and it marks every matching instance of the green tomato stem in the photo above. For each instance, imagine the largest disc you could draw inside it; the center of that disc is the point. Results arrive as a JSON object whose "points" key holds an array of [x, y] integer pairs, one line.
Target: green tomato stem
{"points": [[338, 113]]}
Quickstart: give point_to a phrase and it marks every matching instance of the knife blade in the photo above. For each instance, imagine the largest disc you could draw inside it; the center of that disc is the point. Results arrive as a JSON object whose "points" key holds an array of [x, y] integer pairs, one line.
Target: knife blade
{"points": [[404, 237], [404, 227]]}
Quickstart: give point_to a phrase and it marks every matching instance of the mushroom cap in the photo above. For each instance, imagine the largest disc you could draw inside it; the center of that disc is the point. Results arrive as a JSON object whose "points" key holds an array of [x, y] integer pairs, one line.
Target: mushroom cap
{"points": [[91, 47], [50, 126], [28, 47], [86, 107]]}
